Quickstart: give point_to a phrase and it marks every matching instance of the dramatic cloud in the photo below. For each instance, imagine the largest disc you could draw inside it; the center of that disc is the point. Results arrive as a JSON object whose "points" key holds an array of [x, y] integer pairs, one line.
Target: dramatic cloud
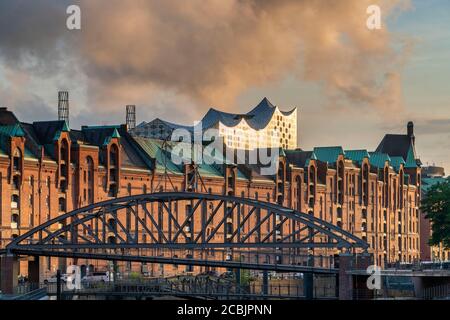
{"points": [[207, 52]]}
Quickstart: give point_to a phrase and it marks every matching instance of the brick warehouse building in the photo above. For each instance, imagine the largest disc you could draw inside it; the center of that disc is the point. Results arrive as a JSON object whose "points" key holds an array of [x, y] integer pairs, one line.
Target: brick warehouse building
{"points": [[47, 169]]}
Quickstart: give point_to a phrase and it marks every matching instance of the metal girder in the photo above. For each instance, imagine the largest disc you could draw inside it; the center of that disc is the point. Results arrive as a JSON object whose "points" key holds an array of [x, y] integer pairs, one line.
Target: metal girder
{"points": [[182, 261], [182, 220]]}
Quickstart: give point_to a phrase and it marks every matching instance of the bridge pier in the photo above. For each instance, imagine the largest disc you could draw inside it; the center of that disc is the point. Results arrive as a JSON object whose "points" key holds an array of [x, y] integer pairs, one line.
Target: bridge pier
{"points": [[265, 282], [33, 269], [349, 285], [9, 270], [308, 285]]}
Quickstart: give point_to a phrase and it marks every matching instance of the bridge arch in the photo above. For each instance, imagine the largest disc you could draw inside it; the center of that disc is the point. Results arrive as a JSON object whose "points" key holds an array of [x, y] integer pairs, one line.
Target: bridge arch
{"points": [[166, 227]]}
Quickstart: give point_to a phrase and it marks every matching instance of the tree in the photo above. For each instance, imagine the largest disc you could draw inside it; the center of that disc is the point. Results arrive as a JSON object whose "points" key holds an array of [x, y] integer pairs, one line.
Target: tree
{"points": [[436, 206]]}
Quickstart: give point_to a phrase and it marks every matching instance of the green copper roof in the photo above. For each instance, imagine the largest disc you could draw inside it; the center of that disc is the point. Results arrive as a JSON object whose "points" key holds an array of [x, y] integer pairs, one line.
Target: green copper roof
{"points": [[57, 135], [65, 127], [357, 155], [410, 160], [153, 148], [115, 134], [378, 159], [12, 130], [328, 154], [208, 167], [396, 162]]}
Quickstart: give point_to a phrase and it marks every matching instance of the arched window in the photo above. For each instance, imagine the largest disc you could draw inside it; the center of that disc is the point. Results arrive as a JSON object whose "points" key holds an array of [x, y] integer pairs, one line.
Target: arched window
{"points": [[129, 189]]}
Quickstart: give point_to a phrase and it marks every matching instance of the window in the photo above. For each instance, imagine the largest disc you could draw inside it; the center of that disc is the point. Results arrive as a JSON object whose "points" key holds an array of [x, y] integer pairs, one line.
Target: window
{"points": [[16, 182], [17, 160], [62, 204]]}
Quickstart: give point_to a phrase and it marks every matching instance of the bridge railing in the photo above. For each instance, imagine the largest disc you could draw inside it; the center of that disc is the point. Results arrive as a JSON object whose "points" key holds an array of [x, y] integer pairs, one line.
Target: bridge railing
{"points": [[437, 292]]}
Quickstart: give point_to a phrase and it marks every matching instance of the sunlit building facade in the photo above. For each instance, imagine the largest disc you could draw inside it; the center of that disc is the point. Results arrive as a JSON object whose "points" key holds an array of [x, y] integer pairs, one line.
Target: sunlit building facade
{"points": [[48, 169]]}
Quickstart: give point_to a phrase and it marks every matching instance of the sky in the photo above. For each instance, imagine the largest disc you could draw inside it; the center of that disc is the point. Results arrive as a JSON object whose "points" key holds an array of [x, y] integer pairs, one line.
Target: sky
{"points": [[176, 59]]}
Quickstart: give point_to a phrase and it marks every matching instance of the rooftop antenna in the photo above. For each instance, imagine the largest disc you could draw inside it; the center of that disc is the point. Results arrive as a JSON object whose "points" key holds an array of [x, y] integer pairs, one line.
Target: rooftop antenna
{"points": [[63, 106], [131, 117]]}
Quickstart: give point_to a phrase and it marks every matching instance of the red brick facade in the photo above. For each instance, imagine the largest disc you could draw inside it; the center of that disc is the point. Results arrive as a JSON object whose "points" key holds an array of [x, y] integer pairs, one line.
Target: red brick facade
{"points": [[77, 168]]}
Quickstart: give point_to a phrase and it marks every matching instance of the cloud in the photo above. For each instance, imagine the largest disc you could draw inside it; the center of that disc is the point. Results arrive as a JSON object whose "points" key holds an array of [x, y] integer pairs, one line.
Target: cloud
{"points": [[207, 52], [434, 126]]}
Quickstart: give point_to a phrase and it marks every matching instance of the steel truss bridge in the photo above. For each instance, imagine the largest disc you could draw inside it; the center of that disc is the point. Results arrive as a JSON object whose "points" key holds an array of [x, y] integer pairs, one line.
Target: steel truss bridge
{"points": [[194, 229]]}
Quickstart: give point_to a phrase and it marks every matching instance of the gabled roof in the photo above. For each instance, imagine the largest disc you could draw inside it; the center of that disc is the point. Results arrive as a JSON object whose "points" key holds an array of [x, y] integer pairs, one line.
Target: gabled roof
{"points": [[357, 155], [14, 130], [99, 135], [400, 145], [328, 154], [48, 131], [396, 162], [378, 159], [300, 158]]}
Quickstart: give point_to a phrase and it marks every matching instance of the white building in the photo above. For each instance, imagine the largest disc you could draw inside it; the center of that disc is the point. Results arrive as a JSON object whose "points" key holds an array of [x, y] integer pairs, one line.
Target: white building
{"points": [[264, 126]]}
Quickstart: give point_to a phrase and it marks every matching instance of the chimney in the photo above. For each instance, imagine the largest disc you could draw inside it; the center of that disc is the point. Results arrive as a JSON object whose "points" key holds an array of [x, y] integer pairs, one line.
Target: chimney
{"points": [[63, 106], [131, 117], [410, 131]]}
